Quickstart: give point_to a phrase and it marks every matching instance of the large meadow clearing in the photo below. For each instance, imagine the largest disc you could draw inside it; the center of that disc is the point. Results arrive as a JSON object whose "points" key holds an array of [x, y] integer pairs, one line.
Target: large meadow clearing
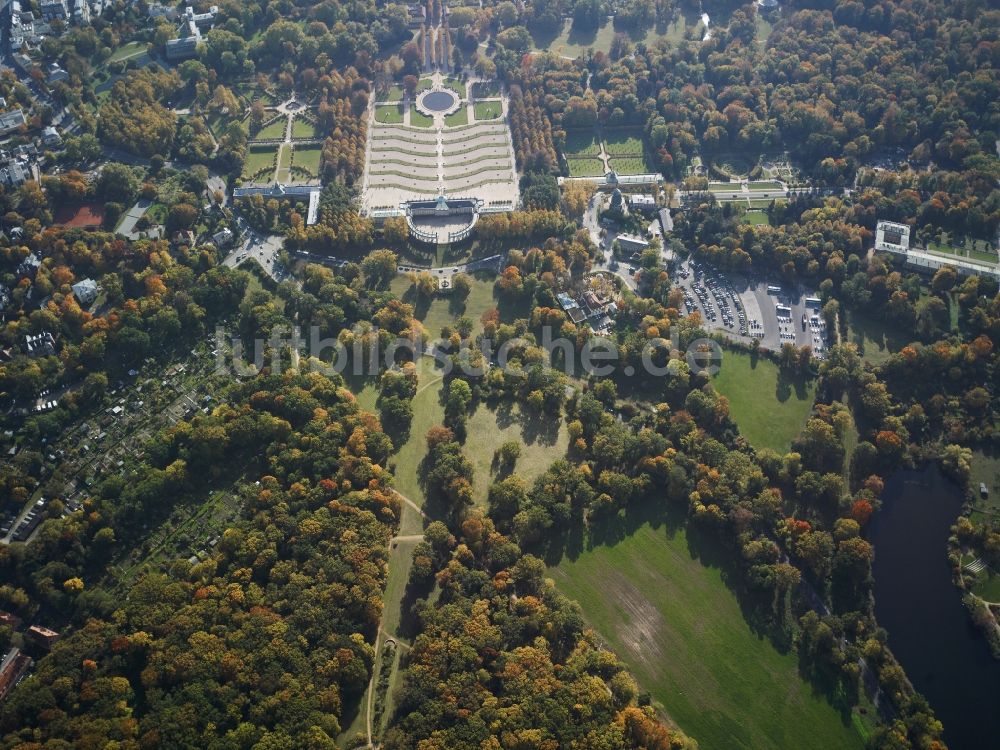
{"points": [[681, 632], [769, 408]]}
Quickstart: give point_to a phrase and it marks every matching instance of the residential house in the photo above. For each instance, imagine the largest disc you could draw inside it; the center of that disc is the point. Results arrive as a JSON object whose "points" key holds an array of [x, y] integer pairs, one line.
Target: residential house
{"points": [[13, 174], [54, 9], [223, 237], [56, 73], [85, 291], [51, 137], [11, 121], [43, 636], [40, 344]]}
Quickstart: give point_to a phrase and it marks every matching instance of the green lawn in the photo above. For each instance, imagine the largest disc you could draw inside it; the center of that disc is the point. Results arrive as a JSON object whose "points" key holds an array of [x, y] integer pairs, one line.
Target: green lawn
{"points": [[585, 167], [986, 470], [284, 162], [427, 412], [769, 411], [461, 117], [275, 130], [874, 338], [484, 89], [629, 165], [756, 218], [423, 84], [308, 158], [455, 85], [487, 110], [967, 250], [445, 311], [258, 158], [681, 632], [687, 19], [623, 143], [764, 28], [735, 165], [582, 143], [394, 94], [302, 128], [427, 408], [419, 120], [572, 43], [389, 114], [132, 49], [542, 442], [987, 586], [764, 185], [400, 562]]}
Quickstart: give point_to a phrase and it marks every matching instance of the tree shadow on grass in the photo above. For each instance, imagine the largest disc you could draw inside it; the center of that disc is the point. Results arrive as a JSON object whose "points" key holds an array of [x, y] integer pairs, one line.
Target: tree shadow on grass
{"points": [[543, 37], [582, 36], [421, 304], [787, 384]]}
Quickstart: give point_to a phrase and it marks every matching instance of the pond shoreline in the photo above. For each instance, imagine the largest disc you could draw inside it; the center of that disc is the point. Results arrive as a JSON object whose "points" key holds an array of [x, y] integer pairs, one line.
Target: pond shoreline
{"points": [[916, 601]]}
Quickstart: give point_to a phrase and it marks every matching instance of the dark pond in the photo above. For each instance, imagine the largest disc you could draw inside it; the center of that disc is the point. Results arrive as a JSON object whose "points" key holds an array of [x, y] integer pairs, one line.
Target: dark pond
{"points": [[439, 101], [945, 657]]}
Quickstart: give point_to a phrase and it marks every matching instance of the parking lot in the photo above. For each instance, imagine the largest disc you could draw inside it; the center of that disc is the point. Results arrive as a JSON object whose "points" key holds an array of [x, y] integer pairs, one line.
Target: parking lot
{"points": [[746, 308]]}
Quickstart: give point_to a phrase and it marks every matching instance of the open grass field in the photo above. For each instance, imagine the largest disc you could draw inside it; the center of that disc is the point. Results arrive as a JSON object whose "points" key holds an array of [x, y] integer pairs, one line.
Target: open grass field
{"points": [[390, 114], [428, 409], [763, 186], [455, 85], [681, 632], [630, 165], [987, 586], [487, 110], [582, 143], [131, 49], [258, 158], [875, 340], [571, 43], [543, 440], [423, 84], [986, 470], [303, 129], [444, 311], [734, 164], [485, 89], [585, 167], [419, 120], [623, 143], [769, 410], [683, 26], [308, 157], [275, 129], [284, 162], [394, 94], [764, 28], [757, 218], [460, 117], [971, 250], [427, 412]]}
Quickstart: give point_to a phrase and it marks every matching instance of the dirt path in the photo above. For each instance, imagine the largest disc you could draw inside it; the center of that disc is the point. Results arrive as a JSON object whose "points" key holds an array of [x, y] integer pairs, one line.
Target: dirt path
{"points": [[381, 636]]}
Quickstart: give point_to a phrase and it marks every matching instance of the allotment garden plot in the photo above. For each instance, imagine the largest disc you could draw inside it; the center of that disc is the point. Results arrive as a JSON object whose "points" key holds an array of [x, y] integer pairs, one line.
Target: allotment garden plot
{"points": [[440, 143]]}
